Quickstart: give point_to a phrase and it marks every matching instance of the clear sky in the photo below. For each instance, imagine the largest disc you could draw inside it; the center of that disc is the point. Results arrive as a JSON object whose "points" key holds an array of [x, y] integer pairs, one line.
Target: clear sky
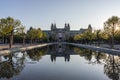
{"points": [[79, 13]]}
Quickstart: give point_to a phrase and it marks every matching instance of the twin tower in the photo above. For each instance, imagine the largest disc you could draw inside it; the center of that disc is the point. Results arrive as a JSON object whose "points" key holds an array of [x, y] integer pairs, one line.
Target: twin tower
{"points": [[66, 27]]}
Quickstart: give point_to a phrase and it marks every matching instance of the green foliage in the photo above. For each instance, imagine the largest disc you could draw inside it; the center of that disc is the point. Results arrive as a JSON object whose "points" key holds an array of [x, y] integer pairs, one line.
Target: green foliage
{"points": [[8, 26], [100, 35], [87, 36], [5, 28], [31, 34], [78, 37], [20, 31], [111, 24], [39, 33], [117, 36], [35, 34], [110, 27], [44, 36]]}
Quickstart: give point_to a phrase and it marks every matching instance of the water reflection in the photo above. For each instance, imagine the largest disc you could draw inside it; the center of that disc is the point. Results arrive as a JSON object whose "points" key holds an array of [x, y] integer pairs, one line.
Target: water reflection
{"points": [[60, 51], [13, 64], [90, 55], [36, 54], [111, 62], [112, 67]]}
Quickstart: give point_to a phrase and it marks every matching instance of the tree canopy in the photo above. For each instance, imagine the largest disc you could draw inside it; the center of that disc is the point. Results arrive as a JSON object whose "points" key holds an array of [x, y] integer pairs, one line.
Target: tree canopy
{"points": [[110, 27]]}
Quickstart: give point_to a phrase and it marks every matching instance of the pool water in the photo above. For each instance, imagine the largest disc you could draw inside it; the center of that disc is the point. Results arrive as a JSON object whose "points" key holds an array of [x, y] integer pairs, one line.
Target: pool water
{"points": [[60, 62]]}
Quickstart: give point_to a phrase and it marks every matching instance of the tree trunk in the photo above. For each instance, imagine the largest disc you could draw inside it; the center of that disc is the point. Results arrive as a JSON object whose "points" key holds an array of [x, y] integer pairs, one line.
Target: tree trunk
{"points": [[30, 41], [112, 46], [113, 31], [6, 40], [3, 41], [11, 39], [23, 40], [98, 42]]}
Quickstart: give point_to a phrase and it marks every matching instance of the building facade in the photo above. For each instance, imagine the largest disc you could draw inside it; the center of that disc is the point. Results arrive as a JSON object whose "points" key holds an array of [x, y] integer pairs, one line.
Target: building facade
{"points": [[63, 34]]}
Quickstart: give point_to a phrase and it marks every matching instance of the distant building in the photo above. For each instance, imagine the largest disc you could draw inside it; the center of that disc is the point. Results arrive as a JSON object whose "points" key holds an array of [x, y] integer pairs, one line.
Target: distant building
{"points": [[63, 34]]}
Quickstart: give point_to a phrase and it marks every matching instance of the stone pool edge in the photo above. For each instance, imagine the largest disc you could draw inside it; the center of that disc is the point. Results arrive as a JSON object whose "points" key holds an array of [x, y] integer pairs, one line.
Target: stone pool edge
{"points": [[95, 48], [19, 49]]}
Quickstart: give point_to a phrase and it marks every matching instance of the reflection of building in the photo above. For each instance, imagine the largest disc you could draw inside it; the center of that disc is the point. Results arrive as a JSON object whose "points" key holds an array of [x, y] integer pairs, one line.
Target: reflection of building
{"points": [[63, 34], [59, 51], [66, 56]]}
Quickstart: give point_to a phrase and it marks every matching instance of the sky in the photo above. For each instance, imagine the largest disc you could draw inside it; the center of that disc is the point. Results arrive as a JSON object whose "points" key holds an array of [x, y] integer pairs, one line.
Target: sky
{"points": [[78, 13]]}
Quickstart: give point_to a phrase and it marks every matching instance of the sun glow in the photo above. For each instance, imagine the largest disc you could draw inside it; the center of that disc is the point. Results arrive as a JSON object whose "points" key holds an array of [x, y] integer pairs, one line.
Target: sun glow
{"points": [[117, 28]]}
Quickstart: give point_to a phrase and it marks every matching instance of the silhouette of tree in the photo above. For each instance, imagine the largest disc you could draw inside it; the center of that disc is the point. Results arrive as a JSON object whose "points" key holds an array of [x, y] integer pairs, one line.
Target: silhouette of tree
{"points": [[36, 54], [110, 27], [112, 67], [10, 68]]}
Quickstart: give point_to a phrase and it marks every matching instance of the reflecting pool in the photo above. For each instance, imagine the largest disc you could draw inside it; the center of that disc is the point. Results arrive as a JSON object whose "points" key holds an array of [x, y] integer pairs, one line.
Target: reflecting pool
{"points": [[60, 62]]}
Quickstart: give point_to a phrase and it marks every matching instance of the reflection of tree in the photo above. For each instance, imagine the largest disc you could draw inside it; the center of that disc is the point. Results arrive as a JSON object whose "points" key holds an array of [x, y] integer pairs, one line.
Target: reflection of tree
{"points": [[86, 53], [14, 63], [89, 54], [112, 67], [36, 54], [112, 63], [11, 67], [99, 56], [19, 63], [6, 70]]}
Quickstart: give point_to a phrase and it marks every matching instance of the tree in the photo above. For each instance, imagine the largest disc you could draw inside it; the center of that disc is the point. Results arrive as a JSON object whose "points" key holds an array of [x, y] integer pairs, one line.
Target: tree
{"points": [[4, 29], [21, 32], [31, 34], [85, 37], [78, 37], [117, 36], [39, 34], [89, 36], [8, 27], [110, 27], [100, 36], [34, 34], [97, 36], [13, 24], [44, 36]]}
